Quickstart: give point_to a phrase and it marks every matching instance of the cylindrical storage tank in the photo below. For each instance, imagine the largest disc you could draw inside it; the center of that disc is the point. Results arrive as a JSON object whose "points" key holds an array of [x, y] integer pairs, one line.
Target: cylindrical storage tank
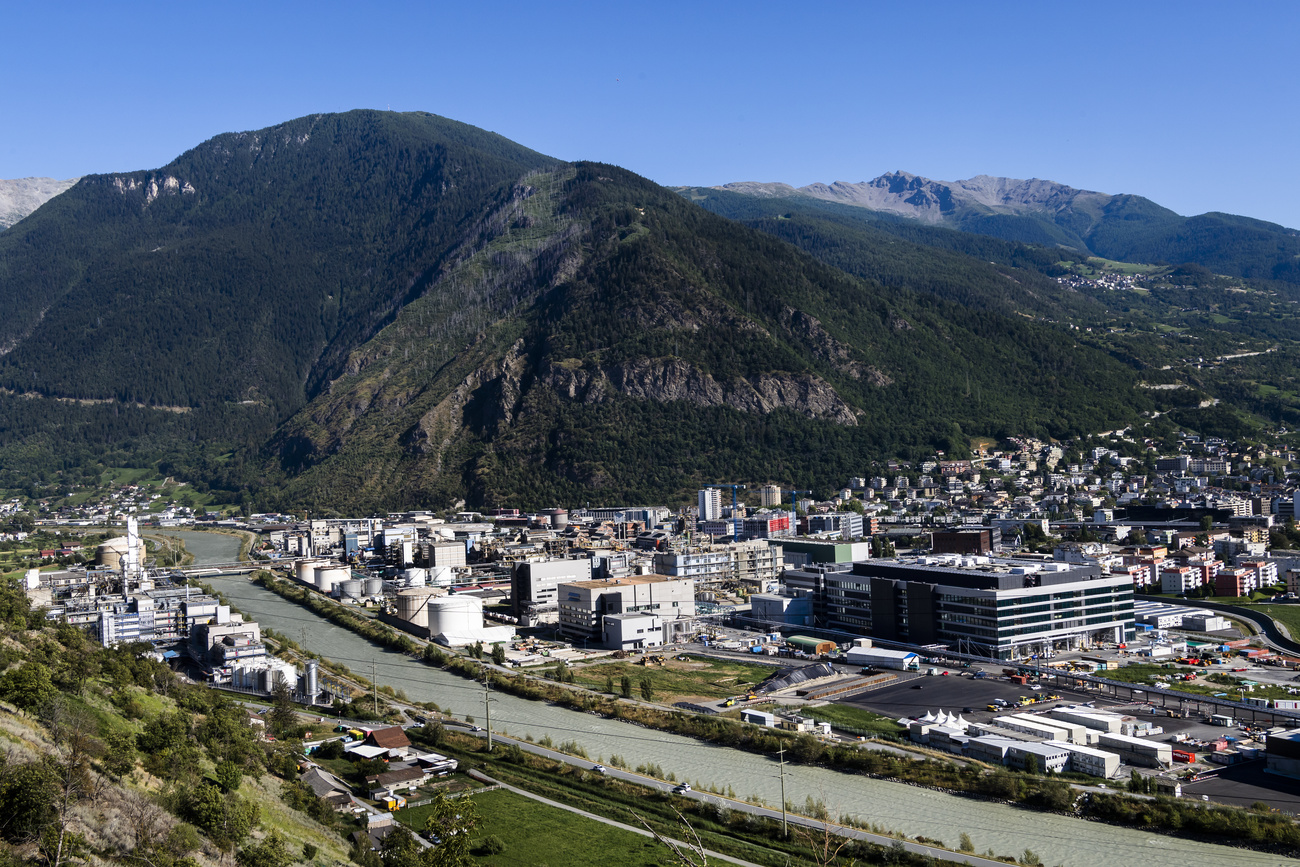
{"points": [[374, 586], [455, 615], [328, 575], [416, 577], [306, 571], [111, 552], [413, 605], [312, 676], [352, 588], [559, 518]]}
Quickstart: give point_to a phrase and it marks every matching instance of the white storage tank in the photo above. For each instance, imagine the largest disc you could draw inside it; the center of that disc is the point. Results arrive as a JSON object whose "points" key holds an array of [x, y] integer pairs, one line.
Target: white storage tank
{"points": [[329, 575], [374, 586], [307, 571], [416, 577], [455, 615], [352, 588], [413, 605]]}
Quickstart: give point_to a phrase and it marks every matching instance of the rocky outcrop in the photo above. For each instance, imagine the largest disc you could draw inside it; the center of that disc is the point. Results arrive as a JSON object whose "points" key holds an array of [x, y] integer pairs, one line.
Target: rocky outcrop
{"points": [[20, 197], [810, 331], [670, 379]]}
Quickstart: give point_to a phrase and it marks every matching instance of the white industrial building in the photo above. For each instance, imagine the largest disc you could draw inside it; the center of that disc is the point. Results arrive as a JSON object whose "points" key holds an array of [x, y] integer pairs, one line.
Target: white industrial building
{"points": [[1137, 751], [584, 604], [1087, 760], [879, 657]]}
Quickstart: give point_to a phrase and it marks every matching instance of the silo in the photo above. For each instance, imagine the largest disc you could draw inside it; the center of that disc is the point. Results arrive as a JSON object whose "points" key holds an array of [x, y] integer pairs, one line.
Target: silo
{"points": [[329, 575], [374, 586], [312, 676], [352, 588], [455, 615], [558, 518], [413, 605]]}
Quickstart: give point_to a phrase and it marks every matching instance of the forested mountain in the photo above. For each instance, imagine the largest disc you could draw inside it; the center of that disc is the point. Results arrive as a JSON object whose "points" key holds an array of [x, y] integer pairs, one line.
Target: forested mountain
{"points": [[644, 346], [1127, 228], [373, 309]]}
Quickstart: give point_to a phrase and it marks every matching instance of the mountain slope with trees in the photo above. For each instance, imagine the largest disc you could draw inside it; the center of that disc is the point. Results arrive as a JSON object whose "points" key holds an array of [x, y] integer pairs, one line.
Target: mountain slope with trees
{"points": [[373, 309]]}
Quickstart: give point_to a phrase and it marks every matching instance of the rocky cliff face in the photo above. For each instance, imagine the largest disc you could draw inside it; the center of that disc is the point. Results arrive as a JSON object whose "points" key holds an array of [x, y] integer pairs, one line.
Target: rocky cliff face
{"points": [[671, 379], [20, 197]]}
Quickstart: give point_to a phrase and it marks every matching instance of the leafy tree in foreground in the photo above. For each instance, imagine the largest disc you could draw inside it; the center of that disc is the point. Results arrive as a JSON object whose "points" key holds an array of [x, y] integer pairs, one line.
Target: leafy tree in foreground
{"points": [[450, 825]]}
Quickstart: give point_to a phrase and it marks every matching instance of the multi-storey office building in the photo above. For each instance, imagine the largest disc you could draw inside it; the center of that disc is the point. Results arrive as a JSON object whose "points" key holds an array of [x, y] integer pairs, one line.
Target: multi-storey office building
{"points": [[1004, 609]]}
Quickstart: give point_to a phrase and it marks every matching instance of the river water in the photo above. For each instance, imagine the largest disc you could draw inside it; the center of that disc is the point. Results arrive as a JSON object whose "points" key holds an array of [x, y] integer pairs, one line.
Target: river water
{"points": [[894, 806]]}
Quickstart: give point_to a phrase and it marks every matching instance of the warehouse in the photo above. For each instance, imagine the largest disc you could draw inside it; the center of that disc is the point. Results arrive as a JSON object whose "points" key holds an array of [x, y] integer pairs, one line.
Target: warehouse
{"points": [[1048, 757], [990, 748], [1137, 751], [814, 646], [1098, 720], [1086, 760], [878, 657], [1044, 728]]}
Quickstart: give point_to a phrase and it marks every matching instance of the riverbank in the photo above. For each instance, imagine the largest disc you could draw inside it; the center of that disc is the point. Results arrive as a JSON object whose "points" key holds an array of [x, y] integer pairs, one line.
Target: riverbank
{"points": [[1265, 832]]}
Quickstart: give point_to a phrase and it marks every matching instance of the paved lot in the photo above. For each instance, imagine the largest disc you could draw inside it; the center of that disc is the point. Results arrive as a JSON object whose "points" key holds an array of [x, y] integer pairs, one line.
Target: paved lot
{"points": [[1247, 783], [952, 694]]}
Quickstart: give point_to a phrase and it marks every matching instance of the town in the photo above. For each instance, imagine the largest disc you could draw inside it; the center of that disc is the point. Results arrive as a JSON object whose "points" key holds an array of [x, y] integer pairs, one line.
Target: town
{"points": [[1060, 611]]}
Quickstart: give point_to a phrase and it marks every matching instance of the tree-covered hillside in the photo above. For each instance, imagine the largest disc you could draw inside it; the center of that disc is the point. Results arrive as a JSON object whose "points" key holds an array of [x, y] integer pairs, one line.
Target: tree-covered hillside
{"points": [[647, 346], [243, 270]]}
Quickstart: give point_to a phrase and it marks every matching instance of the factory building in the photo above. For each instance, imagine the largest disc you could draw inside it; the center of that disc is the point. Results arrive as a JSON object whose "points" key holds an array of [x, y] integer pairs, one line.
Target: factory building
{"points": [[1086, 760], [584, 604], [534, 587]]}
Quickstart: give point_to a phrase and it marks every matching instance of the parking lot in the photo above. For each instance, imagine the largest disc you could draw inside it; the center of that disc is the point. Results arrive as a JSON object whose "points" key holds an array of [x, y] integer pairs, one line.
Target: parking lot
{"points": [[954, 694]]}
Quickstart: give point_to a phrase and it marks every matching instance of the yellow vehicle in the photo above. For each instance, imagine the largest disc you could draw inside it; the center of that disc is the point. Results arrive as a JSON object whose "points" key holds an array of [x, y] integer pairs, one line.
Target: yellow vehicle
{"points": [[994, 708], [729, 702]]}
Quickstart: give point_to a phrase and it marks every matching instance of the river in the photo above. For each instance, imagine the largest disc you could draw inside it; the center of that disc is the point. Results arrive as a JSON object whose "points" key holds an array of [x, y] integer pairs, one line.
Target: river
{"points": [[894, 806]]}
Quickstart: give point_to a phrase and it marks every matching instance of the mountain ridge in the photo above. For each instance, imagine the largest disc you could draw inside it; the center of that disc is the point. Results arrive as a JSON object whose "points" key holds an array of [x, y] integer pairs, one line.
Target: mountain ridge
{"points": [[21, 196], [1123, 227]]}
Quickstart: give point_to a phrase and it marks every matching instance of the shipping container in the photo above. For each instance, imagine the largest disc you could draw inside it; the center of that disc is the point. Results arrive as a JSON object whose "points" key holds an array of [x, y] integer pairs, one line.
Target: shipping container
{"points": [[1286, 704]]}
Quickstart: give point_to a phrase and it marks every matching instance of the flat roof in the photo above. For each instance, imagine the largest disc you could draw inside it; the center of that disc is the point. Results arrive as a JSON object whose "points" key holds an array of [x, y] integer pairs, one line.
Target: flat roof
{"points": [[631, 579]]}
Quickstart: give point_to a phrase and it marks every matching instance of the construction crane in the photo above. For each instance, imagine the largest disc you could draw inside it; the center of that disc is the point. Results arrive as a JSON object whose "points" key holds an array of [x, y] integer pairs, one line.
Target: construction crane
{"points": [[794, 497], [735, 521]]}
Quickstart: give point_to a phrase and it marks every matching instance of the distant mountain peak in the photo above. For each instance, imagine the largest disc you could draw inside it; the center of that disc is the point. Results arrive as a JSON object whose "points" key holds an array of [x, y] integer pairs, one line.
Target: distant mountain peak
{"points": [[21, 196]]}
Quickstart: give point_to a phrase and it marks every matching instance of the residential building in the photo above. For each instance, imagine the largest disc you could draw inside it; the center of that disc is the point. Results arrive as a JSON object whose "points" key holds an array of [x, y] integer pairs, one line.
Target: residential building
{"points": [[769, 495], [840, 525], [710, 504]]}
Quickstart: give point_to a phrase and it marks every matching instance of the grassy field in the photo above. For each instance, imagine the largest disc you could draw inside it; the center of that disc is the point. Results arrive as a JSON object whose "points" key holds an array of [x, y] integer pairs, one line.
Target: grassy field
{"points": [[568, 840], [846, 716], [698, 676]]}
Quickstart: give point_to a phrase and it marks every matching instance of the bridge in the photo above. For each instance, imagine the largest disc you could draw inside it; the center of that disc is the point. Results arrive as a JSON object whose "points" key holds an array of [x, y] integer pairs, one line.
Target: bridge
{"points": [[240, 567]]}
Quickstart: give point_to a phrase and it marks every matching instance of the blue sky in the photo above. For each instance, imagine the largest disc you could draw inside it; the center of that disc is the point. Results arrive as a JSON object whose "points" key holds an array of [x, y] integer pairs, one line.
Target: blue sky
{"points": [[1190, 104]]}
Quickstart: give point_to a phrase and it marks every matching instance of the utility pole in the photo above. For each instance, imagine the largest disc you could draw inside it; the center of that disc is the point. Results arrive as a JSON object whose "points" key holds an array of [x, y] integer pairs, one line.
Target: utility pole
{"points": [[781, 755], [487, 706]]}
